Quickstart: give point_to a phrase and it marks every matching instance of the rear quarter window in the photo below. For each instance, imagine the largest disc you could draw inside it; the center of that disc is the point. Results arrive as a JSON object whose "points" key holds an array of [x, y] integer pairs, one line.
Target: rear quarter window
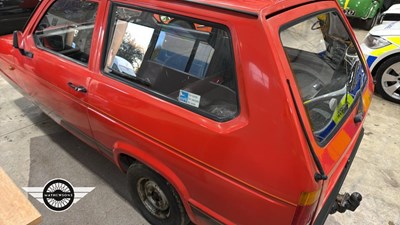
{"points": [[390, 17], [174, 58]]}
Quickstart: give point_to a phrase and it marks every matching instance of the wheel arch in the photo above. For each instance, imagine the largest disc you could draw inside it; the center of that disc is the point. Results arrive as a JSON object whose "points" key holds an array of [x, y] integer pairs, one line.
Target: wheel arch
{"points": [[125, 154], [381, 61]]}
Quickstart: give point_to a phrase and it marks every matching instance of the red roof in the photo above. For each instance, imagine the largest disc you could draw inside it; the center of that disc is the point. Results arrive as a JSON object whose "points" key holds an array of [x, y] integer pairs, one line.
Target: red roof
{"points": [[253, 7]]}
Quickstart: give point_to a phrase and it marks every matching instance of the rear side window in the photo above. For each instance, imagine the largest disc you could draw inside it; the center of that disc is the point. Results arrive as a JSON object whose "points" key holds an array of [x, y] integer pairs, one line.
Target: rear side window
{"points": [[327, 69], [187, 63], [67, 29], [390, 17]]}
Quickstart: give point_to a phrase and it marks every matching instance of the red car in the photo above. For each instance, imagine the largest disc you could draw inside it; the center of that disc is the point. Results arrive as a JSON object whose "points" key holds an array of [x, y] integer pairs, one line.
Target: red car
{"points": [[254, 120]]}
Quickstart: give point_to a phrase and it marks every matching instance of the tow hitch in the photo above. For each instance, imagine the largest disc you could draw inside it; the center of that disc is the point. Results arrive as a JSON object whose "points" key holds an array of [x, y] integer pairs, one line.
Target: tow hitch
{"points": [[345, 202]]}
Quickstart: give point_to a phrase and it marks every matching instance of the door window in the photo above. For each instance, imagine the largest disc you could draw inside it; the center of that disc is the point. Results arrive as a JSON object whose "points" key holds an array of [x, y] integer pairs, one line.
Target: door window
{"points": [[67, 29], [177, 59], [327, 69]]}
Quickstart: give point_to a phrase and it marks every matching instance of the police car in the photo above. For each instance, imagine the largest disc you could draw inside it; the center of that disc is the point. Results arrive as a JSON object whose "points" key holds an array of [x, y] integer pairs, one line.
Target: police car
{"points": [[381, 48]]}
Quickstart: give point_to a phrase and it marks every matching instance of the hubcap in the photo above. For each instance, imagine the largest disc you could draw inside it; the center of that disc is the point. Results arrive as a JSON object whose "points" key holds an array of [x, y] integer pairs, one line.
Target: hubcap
{"points": [[391, 81], [153, 198]]}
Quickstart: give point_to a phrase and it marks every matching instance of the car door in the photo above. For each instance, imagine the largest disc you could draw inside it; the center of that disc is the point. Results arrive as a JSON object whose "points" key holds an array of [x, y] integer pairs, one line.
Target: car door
{"points": [[55, 65]]}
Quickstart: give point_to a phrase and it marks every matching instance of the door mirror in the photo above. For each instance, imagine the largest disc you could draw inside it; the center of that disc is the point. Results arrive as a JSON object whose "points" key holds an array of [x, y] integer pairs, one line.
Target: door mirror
{"points": [[18, 44], [17, 39]]}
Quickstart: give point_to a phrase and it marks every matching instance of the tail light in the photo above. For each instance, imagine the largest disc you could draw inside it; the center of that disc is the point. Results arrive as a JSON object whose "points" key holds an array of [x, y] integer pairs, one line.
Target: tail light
{"points": [[306, 208]]}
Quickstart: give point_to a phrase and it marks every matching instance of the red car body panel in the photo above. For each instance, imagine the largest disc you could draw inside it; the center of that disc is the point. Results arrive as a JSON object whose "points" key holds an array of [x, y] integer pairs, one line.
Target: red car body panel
{"points": [[244, 171]]}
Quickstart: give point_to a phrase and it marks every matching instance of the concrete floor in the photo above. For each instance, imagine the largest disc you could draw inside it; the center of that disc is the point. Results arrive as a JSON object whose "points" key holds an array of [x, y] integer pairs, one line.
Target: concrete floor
{"points": [[34, 149]]}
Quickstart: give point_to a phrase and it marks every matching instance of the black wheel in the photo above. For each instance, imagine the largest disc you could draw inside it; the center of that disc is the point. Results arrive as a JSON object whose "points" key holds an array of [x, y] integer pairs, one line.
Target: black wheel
{"points": [[154, 197], [369, 23], [388, 79], [387, 4]]}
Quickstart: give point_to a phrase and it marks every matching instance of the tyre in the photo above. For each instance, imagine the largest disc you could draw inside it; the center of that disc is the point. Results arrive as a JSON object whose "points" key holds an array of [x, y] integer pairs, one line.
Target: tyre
{"points": [[388, 79], [387, 4], [154, 197], [369, 23]]}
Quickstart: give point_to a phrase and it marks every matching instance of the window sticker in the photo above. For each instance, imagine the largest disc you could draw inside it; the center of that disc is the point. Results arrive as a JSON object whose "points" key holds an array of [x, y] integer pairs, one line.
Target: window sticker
{"points": [[189, 98]]}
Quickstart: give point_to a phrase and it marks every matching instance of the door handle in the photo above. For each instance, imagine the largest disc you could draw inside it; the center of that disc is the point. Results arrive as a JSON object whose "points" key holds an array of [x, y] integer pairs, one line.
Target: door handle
{"points": [[77, 88]]}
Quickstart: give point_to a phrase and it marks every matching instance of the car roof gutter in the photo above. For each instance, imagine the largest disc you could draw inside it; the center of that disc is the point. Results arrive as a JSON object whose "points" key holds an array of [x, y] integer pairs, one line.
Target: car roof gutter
{"points": [[244, 12], [286, 8]]}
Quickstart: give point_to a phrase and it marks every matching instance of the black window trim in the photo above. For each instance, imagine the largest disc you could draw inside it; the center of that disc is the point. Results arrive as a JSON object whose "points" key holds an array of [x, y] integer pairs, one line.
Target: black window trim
{"points": [[31, 16], [106, 44], [357, 99]]}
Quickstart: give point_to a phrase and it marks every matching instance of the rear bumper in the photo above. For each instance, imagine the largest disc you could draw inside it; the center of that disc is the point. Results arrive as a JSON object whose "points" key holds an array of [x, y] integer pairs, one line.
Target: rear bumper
{"points": [[323, 214]]}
